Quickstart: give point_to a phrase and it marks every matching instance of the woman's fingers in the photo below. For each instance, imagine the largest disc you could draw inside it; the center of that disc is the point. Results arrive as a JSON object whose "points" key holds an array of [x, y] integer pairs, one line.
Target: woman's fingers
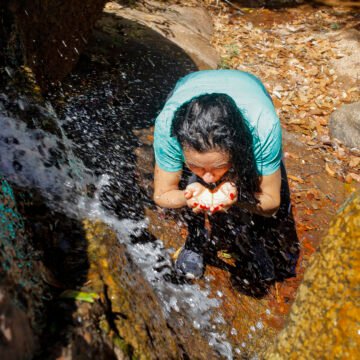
{"points": [[198, 208], [230, 191], [200, 199], [228, 188], [188, 194], [195, 188], [221, 208], [215, 209]]}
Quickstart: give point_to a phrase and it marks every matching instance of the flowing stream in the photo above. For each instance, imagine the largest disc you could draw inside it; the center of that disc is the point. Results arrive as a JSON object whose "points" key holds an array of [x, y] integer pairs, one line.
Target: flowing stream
{"points": [[90, 172]]}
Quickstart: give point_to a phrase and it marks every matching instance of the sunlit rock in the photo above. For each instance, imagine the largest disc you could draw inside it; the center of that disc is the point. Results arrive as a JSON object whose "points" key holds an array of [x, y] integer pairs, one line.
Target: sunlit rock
{"points": [[134, 311], [323, 321], [188, 27], [345, 125]]}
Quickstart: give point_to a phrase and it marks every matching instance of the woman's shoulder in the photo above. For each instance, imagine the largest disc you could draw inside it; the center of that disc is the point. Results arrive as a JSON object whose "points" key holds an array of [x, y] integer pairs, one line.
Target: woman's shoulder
{"points": [[223, 74]]}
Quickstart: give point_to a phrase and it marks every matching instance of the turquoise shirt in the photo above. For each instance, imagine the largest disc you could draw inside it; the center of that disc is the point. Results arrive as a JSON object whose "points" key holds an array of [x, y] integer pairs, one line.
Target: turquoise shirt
{"points": [[252, 100]]}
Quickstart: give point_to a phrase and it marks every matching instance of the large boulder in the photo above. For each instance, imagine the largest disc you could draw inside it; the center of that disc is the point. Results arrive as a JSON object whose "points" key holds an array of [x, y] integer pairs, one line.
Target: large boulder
{"points": [[20, 283], [188, 27], [345, 125], [17, 338], [48, 36], [347, 64], [323, 322]]}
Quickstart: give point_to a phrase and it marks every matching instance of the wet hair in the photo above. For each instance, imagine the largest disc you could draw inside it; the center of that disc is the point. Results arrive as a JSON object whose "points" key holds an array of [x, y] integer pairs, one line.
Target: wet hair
{"points": [[214, 122]]}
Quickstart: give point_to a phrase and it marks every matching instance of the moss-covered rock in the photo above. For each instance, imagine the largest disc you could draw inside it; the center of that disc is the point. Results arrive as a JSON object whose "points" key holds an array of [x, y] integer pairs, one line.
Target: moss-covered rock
{"points": [[21, 285], [323, 322], [135, 320]]}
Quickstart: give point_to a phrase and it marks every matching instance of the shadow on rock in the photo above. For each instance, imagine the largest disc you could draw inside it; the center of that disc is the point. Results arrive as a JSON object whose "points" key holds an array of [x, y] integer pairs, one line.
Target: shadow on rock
{"points": [[115, 92], [60, 249]]}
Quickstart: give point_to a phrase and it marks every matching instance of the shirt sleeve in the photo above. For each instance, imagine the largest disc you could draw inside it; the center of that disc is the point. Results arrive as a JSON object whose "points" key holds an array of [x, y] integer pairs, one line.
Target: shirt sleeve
{"points": [[167, 150], [268, 142], [271, 151]]}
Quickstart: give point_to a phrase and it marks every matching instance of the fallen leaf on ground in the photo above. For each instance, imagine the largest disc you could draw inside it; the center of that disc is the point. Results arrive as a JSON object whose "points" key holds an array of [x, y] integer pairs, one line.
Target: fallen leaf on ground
{"points": [[356, 177], [330, 171], [354, 161], [297, 179], [290, 155], [89, 297]]}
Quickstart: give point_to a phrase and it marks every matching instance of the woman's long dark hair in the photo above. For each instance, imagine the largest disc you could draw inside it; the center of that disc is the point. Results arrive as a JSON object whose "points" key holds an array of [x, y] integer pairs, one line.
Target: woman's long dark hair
{"points": [[214, 122]]}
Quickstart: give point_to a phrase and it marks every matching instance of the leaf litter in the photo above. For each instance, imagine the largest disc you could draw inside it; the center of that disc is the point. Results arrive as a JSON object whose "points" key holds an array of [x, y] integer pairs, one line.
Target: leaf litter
{"points": [[291, 51]]}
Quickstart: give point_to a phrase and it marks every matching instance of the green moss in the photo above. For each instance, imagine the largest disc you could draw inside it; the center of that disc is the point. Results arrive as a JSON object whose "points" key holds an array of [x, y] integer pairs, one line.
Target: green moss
{"points": [[323, 321]]}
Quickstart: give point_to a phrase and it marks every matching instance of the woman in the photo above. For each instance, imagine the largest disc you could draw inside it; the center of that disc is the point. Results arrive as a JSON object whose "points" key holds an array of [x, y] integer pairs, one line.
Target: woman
{"points": [[221, 126]]}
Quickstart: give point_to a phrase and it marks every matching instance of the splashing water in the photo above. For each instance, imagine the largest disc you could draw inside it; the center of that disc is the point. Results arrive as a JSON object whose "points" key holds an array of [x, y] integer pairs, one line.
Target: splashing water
{"points": [[154, 261], [38, 160]]}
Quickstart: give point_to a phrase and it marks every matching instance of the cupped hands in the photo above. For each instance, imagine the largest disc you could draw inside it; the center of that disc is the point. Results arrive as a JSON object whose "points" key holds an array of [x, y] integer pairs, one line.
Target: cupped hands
{"points": [[201, 199]]}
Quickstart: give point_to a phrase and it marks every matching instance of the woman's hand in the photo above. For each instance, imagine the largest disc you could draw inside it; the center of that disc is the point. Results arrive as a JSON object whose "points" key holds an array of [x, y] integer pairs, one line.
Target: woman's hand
{"points": [[198, 197], [224, 196], [201, 199]]}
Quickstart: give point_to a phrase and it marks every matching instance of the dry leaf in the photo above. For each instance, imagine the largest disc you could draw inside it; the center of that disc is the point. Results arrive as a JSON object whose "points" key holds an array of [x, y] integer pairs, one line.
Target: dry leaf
{"points": [[348, 179], [354, 161], [296, 122], [297, 179], [290, 155], [313, 194], [330, 171], [356, 177]]}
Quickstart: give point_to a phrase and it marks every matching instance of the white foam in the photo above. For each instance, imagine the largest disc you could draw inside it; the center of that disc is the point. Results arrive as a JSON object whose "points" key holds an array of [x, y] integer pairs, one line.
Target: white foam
{"points": [[189, 300], [33, 159], [27, 159]]}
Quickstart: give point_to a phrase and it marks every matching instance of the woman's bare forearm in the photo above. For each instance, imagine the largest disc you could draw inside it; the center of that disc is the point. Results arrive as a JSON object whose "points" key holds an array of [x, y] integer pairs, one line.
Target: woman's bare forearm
{"points": [[172, 199]]}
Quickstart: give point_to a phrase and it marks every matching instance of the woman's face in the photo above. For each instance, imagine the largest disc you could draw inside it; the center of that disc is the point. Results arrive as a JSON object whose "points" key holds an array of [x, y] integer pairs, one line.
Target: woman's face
{"points": [[210, 166]]}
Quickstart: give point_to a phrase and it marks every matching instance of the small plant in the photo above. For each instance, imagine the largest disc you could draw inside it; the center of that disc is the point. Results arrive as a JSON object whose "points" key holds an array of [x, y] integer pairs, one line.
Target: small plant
{"points": [[224, 63], [232, 50]]}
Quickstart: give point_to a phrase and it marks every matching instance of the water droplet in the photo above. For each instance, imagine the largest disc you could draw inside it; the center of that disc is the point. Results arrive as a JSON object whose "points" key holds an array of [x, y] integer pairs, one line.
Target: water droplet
{"points": [[259, 325], [9, 71], [196, 325]]}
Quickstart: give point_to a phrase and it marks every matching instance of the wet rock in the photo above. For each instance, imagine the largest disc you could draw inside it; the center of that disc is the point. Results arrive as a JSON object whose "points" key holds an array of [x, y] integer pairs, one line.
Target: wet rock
{"points": [[134, 313], [281, 3], [188, 27], [17, 337], [49, 36], [21, 286], [345, 125], [268, 3], [323, 321]]}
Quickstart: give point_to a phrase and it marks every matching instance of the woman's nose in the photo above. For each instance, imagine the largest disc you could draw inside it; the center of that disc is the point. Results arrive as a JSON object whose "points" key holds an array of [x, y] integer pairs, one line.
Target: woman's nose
{"points": [[208, 177]]}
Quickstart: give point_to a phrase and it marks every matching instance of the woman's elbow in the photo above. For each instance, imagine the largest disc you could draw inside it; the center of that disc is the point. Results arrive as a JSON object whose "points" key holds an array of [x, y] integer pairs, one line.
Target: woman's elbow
{"points": [[272, 208], [157, 199], [271, 212]]}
